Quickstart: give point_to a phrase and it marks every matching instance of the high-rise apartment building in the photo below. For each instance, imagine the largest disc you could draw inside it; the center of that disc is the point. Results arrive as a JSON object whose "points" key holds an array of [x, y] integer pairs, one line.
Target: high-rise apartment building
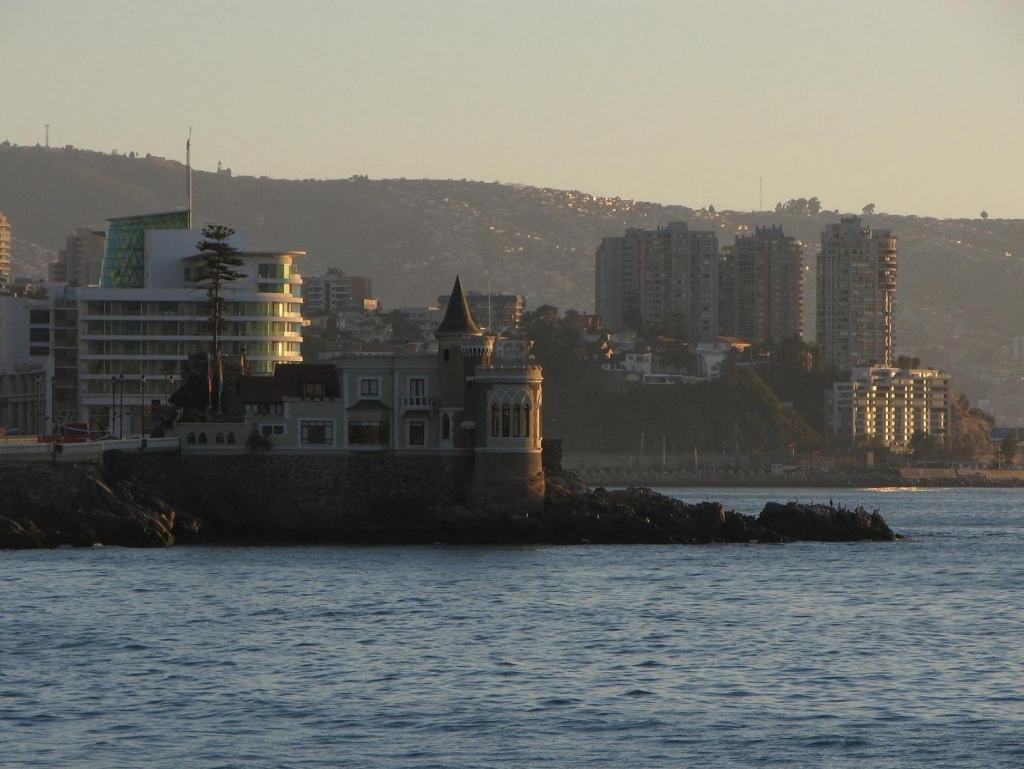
{"points": [[761, 287], [79, 262], [5, 252], [335, 292], [856, 288], [661, 278]]}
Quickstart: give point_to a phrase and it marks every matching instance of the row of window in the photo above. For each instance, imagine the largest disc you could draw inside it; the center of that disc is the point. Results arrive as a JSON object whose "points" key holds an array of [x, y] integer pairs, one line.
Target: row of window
{"points": [[129, 347], [183, 309], [202, 440], [183, 328], [510, 422]]}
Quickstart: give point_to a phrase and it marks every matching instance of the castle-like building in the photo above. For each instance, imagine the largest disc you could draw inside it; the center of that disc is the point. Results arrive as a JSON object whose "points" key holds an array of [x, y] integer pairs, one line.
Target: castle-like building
{"points": [[462, 402]]}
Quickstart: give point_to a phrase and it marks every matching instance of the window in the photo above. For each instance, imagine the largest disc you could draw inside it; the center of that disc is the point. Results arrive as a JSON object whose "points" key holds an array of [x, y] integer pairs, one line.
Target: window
{"points": [[269, 430], [39, 317], [368, 433], [313, 390], [417, 433], [39, 351], [202, 438], [273, 271], [417, 387], [316, 433], [446, 427], [369, 388], [510, 414]]}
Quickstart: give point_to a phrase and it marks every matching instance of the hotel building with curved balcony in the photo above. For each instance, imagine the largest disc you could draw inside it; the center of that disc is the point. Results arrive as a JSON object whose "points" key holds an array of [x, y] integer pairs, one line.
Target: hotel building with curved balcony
{"points": [[150, 313], [110, 353]]}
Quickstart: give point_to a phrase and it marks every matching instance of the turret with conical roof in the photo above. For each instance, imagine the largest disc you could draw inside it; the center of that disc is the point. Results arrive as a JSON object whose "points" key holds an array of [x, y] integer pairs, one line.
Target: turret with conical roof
{"points": [[462, 346], [458, 320]]}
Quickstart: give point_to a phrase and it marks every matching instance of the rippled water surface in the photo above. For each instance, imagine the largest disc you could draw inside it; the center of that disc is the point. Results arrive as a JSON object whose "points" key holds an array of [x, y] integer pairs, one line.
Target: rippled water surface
{"points": [[831, 655]]}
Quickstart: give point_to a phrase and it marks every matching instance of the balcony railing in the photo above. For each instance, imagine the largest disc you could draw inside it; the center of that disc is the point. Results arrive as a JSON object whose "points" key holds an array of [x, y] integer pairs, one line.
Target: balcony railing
{"points": [[417, 403]]}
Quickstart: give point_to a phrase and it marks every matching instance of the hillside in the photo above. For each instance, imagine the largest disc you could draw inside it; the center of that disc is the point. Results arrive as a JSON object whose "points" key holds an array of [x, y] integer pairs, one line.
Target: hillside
{"points": [[959, 280]]}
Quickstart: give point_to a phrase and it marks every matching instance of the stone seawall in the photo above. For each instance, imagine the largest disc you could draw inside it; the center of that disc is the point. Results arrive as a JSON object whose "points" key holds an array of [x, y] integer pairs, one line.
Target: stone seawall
{"points": [[295, 495]]}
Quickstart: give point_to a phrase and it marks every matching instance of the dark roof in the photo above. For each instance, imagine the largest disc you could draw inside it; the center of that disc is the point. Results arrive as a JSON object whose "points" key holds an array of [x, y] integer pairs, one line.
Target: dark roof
{"points": [[458, 320], [287, 382], [369, 405]]}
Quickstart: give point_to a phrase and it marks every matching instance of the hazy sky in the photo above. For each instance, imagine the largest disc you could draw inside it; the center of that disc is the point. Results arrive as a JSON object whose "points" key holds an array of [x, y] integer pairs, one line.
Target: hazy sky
{"points": [[915, 105]]}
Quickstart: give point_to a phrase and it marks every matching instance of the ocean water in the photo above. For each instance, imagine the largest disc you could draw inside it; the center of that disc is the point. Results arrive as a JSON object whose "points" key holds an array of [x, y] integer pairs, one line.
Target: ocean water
{"points": [[825, 655]]}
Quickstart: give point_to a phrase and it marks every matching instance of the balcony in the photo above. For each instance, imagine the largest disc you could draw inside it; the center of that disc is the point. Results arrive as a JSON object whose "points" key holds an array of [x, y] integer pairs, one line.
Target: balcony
{"points": [[413, 403]]}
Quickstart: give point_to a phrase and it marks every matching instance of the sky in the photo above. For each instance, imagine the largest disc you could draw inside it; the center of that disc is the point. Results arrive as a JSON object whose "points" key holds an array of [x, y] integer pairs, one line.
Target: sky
{"points": [[914, 105]]}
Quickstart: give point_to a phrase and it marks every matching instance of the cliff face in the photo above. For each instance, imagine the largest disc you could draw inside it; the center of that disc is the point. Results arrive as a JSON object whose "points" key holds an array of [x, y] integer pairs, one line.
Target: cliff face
{"points": [[157, 500]]}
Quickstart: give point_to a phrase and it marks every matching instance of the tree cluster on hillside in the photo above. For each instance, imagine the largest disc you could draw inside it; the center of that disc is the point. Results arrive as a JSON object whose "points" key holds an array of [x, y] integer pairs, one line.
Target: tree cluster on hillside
{"points": [[799, 206]]}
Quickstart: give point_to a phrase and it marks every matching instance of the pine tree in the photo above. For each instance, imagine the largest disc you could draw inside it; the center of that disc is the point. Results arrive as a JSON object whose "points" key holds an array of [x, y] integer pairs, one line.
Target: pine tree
{"points": [[219, 259]]}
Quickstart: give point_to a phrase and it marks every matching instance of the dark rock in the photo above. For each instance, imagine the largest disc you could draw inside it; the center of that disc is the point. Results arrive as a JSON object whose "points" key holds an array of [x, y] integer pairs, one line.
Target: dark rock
{"points": [[21, 535], [823, 523]]}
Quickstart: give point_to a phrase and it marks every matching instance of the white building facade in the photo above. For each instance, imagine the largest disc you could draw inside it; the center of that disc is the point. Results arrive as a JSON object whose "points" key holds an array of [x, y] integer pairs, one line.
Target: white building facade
{"points": [[888, 406]]}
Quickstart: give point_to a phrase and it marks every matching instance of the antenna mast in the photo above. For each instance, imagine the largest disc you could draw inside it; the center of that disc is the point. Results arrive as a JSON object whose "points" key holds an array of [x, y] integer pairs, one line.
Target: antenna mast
{"points": [[47, 136], [188, 164]]}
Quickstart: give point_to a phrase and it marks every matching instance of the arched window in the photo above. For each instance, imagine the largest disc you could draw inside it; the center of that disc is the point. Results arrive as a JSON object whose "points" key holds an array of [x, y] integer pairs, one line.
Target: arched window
{"points": [[191, 438], [505, 421], [219, 438], [202, 438], [515, 421], [526, 420], [231, 437], [446, 427], [494, 420]]}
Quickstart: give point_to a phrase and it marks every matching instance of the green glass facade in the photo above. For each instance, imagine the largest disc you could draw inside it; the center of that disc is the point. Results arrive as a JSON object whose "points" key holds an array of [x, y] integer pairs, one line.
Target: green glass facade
{"points": [[126, 239]]}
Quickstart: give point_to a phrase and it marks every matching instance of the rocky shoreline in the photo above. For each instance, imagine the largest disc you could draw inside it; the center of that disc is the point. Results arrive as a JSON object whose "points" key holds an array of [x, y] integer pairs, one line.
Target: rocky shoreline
{"points": [[123, 513]]}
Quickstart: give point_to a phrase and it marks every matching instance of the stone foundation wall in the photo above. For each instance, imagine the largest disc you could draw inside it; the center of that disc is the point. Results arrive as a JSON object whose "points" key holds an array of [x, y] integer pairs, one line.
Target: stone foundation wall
{"points": [[299, 494], [508, 481]]}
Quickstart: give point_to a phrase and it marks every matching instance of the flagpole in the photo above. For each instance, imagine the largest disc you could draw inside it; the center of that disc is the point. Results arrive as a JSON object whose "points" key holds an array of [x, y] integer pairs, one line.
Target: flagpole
{"points": [[188, 164]]}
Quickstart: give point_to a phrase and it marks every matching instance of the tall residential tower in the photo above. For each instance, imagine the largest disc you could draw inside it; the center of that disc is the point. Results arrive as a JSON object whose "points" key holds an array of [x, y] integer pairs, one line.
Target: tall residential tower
{"points": [[856, 288], [661, 278], [761, 287], [5, 252]]}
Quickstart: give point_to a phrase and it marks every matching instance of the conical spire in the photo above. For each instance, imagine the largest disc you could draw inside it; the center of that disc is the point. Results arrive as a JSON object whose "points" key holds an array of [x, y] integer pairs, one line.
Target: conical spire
{"points": [[458, 320]]}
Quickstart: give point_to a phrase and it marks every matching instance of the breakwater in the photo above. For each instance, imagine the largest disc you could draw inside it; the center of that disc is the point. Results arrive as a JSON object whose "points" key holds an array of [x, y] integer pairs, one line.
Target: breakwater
{"points": [[157, 500]]}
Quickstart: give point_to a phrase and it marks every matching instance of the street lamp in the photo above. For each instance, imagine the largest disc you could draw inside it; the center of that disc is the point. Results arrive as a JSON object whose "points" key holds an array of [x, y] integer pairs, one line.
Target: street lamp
{"points": [[39, 393], [142, 386], [120, 380], [113, 402]]}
